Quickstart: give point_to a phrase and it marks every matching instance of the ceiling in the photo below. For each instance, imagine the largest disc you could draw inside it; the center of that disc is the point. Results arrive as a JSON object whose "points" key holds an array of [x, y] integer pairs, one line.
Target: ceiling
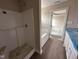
{"points": [[60, 11], [46, 3]]}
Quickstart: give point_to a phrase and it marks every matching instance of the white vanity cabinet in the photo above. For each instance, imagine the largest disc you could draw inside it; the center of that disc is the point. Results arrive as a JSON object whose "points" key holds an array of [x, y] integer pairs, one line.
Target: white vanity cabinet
{"points": [[71, 52]]}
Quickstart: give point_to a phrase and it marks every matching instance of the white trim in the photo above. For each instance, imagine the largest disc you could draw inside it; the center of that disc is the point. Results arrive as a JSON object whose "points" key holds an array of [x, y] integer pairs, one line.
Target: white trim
{"points": [[30, 54]]}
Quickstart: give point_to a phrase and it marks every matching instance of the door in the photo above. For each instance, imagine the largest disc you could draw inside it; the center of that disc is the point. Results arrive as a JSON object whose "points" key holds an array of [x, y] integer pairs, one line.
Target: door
{"points": [[59, 20]]}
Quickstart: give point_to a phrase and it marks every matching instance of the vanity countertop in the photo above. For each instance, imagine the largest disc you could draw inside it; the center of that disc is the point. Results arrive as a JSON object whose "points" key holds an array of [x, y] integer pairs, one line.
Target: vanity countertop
{"points": [[73, 33]]}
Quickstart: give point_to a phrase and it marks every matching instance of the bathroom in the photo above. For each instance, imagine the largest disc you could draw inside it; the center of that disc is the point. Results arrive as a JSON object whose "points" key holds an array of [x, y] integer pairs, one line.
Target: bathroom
{"points": [[23, 30]]}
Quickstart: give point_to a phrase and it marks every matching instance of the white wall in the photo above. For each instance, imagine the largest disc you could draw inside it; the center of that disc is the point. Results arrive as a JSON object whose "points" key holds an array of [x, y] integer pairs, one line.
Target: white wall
{"points": [[45, 22], [73, 14], [36, 12], [58, 21], [7, 30], [45, 27], [29, 31], [9, 5], [58, 24]]}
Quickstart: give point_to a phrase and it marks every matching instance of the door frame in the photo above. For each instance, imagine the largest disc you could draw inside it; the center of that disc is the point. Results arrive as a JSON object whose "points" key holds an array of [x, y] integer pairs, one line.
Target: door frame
{"points": [[66, 20]]}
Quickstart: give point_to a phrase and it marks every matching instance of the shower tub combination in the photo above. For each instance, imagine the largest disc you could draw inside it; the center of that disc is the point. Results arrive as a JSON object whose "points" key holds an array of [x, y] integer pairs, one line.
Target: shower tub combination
{"points": [[16, 34]]}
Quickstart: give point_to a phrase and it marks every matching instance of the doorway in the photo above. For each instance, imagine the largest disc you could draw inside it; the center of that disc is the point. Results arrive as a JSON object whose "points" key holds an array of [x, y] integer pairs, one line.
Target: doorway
{"points": [[59, 20]]}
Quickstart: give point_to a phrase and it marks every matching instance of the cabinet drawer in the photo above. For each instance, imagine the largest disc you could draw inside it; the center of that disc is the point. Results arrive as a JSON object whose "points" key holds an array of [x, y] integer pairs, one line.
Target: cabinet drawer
{"points": [[73, 56], [68, 52]]}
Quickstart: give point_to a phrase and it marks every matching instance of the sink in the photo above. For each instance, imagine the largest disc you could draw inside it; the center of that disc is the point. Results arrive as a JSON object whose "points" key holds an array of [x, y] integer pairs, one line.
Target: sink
{"points": [[73, 33]]}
